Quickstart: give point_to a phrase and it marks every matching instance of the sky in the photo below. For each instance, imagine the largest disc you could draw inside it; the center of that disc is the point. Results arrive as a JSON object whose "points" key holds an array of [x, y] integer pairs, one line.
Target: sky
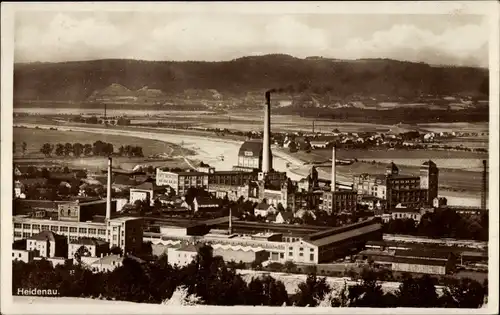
{"points": [[460, 40]]}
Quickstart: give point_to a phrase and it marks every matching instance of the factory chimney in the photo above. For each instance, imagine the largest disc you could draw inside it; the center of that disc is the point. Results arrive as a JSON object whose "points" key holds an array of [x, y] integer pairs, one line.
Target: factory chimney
{"points": [[108, 194], [267, 160], [333, 185], [484, 188], [230, 230]]}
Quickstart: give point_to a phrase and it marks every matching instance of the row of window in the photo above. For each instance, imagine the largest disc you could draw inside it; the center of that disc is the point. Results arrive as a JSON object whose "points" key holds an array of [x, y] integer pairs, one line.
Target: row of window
{"points": [[55, 228]]}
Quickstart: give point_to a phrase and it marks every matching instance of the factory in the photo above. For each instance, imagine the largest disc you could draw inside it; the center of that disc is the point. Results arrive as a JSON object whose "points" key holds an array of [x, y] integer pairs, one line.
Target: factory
{"points": [[94, 219], [317, 247], [254, 179], [394, 188]]}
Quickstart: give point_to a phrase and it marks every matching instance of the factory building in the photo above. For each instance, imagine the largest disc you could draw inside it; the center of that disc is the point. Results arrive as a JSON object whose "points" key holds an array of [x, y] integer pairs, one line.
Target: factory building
{"points": [[394, 188], [180, 181], [74, 223], [250, 156], [319, 247]]}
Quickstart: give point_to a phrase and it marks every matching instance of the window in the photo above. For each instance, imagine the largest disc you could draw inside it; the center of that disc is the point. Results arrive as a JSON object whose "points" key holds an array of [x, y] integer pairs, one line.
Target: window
{"points": [[311, 257], [26, 235], [54, 228], [82, 230], [17, 234], [72, 229], [92, 231], [45, 227], [115, 229], [311, 249], [101, 232], [12, 254], [290, 253], [17, 225], [290, 248], [282, 255], [36, 226], [114, 237], [301, 249], [26, 226], [64, 229], [301, 254]]}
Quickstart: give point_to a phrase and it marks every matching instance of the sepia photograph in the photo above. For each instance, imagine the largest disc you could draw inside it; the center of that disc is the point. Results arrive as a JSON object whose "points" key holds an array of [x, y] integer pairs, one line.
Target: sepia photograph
{"points": [[234, 158]]}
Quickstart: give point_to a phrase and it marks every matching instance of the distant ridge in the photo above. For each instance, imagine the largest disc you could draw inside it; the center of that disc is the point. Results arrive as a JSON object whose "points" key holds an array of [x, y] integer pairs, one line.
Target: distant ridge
{"points": [[78, 80]]}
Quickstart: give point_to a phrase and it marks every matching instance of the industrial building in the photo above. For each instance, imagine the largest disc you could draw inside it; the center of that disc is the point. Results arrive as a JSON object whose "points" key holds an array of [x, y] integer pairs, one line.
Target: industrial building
{"points": [[394, 188], [318, 247], [86, 220]]}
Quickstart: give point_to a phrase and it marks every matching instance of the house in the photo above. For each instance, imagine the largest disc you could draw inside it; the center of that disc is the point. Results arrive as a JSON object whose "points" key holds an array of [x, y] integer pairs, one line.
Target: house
{"points": [[284, 217], [107, 263], [48, 244], [408, 213], [177, 202], [205, 204], [372, 202], [263, 210], [23, 255], [145, 191], [182, 256], [300, 213], [271, 217], [19, 190], [87, 247]]}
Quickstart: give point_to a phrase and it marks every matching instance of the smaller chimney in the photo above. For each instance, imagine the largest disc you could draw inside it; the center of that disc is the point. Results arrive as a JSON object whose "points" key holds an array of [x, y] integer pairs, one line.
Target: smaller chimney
{"points": [[230, 221], [108, 194], [484, 188], [334, 162]]}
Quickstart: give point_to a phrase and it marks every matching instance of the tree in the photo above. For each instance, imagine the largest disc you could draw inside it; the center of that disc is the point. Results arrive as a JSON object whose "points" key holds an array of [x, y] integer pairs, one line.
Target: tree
{"points": [[78, 149], [290, 266], [59, 149], [68, 149], [310, 291], [25, 147], [267, 291], [367, 294], [46, 149], [87, 149], [463, 293], [417, 292], [115, 250]]}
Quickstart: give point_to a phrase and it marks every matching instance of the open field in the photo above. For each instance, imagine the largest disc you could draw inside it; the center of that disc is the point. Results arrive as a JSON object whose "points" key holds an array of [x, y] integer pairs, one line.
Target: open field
{"points": [[35, 138]]}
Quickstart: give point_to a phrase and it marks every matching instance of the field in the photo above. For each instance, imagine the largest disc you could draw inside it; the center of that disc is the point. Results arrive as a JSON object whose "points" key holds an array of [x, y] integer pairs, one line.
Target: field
{"points": [[35, 138]]}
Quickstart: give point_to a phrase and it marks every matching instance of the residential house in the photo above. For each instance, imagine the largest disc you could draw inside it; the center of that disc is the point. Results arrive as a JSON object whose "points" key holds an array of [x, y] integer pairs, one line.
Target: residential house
{"points": [[107, 263], [263, 210], [23, 255], [182, 256], [87, 247], [145, 191], [205, 204], [284, 217], [48, 244], [19, 190]]}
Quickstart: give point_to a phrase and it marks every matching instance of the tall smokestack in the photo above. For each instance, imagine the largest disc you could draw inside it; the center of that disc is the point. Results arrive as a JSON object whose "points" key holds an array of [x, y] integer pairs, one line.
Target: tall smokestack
{"points": [[333, 184], [484, 188], [230, 222], [108, 195], [266, 145]]}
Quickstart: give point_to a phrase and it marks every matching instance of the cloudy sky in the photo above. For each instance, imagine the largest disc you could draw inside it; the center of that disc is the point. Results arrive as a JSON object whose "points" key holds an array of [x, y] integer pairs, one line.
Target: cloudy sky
{"points": [[70, 36]]}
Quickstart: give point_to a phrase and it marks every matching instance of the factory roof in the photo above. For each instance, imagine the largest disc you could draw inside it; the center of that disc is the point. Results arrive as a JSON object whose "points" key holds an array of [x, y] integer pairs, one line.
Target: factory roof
{"points": [[411, 260], [346, 235], [424, 253], [254, 146]]}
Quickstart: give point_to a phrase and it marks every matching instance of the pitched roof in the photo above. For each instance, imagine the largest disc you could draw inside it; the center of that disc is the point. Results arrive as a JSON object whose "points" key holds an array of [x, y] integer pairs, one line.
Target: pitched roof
{"points": [[188, 248], [108, 260], [148, 186], [88, 241], [254, 146], [45, 236], [206, 201], [424, 254], [411, 260], [263, 206], [346, 235], [286, 215]]}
